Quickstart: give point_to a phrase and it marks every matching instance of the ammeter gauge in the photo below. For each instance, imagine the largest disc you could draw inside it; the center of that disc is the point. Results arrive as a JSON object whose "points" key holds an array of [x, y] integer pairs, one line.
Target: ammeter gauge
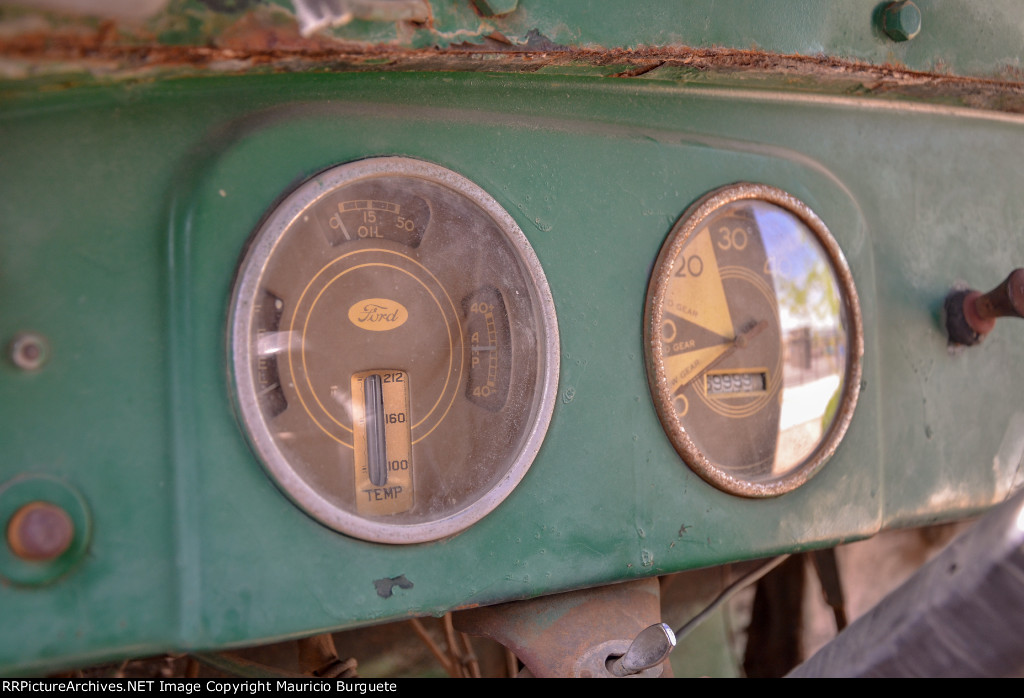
{"points": [[753, 340], [394, 348]]}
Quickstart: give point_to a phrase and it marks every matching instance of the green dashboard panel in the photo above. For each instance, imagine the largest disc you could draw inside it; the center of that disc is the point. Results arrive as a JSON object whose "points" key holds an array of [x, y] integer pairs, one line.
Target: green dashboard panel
{"points": [[124, 212]]}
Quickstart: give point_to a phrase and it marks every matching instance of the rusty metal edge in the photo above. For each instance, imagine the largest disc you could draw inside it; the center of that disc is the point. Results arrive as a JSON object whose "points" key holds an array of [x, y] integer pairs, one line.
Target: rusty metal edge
{"points": [[101, 53]]}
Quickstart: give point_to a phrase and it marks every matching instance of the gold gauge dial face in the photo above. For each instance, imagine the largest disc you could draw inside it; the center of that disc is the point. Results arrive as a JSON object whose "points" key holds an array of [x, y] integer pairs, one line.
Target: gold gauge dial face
{"points": [[753, 340], [395, 350]]}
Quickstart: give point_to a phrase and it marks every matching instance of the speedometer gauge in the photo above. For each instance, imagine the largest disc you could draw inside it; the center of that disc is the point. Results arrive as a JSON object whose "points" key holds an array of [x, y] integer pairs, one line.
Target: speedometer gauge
{"points": [[753, 340], [394, 348]]}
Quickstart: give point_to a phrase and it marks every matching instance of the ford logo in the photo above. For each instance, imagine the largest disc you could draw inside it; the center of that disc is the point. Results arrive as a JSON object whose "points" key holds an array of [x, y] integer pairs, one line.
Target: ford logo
{"points": [[378, 314]]}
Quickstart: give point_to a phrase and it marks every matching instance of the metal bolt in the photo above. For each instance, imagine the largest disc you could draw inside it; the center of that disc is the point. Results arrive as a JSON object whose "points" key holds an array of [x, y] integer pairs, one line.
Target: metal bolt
{"points": [[495, 8], [901, 20], [29, 351], [40, 531]]}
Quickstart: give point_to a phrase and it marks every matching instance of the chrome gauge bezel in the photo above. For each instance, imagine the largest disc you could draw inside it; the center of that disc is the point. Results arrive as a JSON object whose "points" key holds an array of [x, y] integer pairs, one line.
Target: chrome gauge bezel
{"points": [[687, 225], [243, 381]]}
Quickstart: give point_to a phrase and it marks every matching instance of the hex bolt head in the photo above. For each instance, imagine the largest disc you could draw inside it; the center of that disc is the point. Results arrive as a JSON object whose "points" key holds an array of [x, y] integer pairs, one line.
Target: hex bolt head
{"points": [[901, 21], [29, 351], [40, 531]]}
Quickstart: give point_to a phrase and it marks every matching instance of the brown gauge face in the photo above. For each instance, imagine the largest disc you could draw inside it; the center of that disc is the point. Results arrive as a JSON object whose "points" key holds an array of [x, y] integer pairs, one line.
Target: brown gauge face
{"points": [[753, 340], [395, 350]]}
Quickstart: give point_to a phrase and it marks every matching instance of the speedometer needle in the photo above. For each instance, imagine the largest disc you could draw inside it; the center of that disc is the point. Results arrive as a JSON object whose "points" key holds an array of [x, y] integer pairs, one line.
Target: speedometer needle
{"points": [[741, 341]]}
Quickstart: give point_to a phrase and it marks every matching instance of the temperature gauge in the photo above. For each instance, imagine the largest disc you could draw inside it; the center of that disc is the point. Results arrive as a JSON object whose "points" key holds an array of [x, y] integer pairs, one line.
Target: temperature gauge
{"points": [[753, 338], [395, 350]]}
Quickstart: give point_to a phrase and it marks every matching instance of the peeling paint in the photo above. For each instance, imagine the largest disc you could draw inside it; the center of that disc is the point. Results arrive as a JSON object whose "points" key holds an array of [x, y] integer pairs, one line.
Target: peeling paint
{"points": [[316, 15], [263, 41], [385, 587]]}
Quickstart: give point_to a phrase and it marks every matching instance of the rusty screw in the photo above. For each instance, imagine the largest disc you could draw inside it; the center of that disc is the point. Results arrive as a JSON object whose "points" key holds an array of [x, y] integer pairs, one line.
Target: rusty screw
{"points": [[29, 351], [970, 315], [901, 20], [40, 531]]}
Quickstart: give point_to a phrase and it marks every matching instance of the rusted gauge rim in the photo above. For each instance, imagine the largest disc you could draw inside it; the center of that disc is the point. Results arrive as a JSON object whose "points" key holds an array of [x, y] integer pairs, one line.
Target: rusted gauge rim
{"points": [[685, 227]]}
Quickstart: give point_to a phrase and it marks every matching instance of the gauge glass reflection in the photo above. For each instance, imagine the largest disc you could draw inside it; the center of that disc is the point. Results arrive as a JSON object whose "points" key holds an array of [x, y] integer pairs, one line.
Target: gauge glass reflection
{"points": [[753, 340]]}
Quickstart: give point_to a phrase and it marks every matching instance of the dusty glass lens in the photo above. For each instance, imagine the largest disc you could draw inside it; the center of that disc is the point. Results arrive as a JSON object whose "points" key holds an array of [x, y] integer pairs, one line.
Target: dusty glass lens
{"points": [[395, 349], [749, 339]]}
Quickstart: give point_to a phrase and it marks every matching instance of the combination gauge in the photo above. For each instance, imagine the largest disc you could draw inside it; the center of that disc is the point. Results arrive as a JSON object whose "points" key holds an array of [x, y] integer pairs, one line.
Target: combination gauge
{"points": [[394, 349], [753, 340]]}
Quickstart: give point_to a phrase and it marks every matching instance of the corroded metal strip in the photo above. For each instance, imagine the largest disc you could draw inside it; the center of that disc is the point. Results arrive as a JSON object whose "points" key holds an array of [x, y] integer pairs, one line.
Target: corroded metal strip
{"points": [[105, 51]]}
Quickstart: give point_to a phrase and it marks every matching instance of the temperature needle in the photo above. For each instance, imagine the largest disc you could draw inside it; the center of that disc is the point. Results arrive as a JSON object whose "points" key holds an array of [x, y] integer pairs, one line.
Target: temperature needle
{"points": [[376, 446]]}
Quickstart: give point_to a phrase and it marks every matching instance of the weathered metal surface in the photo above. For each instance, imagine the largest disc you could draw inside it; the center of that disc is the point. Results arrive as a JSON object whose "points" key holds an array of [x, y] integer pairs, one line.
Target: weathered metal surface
{"points": [[957, 37], [75, 56], [140, 405], [126, 203], [555, 636], [191, 37]]}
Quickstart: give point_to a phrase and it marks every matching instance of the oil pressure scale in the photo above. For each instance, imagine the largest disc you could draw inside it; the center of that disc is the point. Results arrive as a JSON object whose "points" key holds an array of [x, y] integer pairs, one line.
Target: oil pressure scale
{"points": [[394, 348], [753, 340]]}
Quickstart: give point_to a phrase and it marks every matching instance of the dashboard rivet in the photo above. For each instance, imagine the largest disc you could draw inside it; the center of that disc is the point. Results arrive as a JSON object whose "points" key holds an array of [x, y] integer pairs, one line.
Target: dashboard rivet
{"points": [[29, 351], [40, 531]]}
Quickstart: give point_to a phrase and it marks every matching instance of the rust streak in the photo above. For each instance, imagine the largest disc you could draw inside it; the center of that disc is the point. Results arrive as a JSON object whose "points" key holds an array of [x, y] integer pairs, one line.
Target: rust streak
{"points": [[268, 46], [247, 47]]}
